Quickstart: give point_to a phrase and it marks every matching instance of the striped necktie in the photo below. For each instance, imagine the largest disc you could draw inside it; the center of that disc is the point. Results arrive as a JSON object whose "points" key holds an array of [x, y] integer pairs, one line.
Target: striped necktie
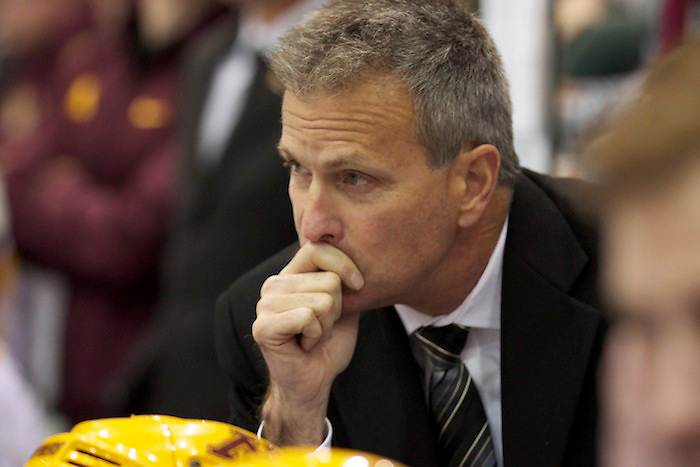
{"points": [[464, 438]]}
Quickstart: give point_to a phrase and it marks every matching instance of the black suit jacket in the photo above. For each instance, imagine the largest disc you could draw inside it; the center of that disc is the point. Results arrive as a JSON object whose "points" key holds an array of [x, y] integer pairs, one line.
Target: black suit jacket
{"points": [[551, 332], [229, 217]]}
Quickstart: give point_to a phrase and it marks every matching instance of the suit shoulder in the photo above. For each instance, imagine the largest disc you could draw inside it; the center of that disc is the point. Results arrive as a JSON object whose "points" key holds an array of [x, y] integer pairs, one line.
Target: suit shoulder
{"points": [[578, 201]]}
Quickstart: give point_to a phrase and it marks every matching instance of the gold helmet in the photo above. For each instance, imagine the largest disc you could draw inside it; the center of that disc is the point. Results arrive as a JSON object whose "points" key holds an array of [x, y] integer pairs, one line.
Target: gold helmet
{"points": [[309, 457], [146, 441]]}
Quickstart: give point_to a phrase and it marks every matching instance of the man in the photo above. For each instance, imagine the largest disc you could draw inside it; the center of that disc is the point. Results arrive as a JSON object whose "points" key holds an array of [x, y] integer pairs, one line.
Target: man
{"points": [[231, 210], [650, 159], [412, 215]]}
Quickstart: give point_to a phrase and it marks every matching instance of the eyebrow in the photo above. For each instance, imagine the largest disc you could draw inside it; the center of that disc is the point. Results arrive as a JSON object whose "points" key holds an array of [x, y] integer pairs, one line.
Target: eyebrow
{"points": [[351, 159], [345, 160]]}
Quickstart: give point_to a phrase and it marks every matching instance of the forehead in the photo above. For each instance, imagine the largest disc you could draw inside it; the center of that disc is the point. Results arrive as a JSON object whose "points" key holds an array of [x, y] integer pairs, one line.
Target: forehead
{"points": [[653, 244], [375, 108]]}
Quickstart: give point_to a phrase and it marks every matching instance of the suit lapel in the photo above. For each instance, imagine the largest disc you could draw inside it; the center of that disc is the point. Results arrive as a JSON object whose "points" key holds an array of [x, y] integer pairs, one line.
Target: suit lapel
{"points": [[254, 136], [198, 75], [547, 337], [383, 380], [251, 147], [261, 102]]}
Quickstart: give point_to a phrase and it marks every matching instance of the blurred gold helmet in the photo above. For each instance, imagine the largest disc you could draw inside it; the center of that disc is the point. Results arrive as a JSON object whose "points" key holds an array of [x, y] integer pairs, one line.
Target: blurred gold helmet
{"points": [[310, 457], [148, 440]]}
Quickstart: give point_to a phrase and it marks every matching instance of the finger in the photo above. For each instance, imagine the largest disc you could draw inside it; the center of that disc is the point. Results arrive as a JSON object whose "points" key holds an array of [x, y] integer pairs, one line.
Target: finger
{"points": [[309, 282], [314, 257], [325, 306], [308, 343], [274, 330]]}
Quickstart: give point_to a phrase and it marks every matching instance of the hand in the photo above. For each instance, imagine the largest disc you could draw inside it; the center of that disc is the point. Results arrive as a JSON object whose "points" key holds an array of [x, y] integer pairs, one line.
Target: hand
{"points": [[305, 339]]}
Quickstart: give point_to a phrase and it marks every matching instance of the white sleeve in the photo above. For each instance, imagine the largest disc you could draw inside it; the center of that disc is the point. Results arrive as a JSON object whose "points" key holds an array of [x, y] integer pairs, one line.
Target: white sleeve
{"points": [[326, 442]]}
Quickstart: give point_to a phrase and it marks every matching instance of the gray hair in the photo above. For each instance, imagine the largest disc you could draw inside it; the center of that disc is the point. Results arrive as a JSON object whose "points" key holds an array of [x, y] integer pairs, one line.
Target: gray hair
{"points": [[441, 53]]}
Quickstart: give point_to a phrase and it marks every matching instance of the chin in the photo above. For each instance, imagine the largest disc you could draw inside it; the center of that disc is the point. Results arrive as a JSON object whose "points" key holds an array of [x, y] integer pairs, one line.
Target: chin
{"points": [[356, 301], [353, 302]]}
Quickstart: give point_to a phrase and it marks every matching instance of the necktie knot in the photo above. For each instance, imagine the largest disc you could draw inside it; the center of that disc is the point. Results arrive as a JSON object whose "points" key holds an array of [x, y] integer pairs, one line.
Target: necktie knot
{"points": [[443, 345]]}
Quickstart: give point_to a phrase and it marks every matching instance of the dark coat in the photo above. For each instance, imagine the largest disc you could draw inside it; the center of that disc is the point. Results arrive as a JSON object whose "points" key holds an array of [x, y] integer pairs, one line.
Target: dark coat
{"points": [[551, 332]]}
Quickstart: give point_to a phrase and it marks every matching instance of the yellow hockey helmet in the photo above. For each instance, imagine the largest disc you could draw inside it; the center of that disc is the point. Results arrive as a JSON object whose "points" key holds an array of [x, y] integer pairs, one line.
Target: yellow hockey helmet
{"points": [[146, 441], [308, 457]]}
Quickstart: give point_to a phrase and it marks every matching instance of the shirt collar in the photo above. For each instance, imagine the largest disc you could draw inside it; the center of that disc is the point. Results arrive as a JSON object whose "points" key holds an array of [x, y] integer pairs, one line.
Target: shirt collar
{"points": [[262, 36], [480, 309]]}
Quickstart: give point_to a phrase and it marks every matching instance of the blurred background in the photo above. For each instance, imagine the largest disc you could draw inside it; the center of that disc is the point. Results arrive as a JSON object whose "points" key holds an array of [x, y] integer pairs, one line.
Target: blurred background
{"points": [[129, 198]]}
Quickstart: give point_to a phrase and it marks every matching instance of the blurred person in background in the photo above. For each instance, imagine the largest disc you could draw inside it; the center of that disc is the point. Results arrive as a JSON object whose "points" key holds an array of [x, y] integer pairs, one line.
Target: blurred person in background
{"points": [[24, 423], [90, 187], [650, 161], [31, 34], [232, 208], [602, 50]]}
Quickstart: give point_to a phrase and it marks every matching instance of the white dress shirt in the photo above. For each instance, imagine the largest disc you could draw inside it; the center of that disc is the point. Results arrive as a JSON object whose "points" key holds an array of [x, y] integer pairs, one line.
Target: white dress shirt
{"points": [[481, 311], [234, 75]]}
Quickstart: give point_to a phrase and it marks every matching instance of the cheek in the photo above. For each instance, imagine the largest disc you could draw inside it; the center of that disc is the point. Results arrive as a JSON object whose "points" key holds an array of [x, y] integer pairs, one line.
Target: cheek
{"points": [[401, 240], [297, 213], [297, 208]]}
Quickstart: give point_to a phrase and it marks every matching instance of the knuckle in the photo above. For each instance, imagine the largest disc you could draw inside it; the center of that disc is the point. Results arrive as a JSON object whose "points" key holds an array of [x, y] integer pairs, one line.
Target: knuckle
{"points": [[313, 331], [262, 306], [258, 331], [307, 314], [325, 301], [331, 281], [336, 282], [269, 284]]}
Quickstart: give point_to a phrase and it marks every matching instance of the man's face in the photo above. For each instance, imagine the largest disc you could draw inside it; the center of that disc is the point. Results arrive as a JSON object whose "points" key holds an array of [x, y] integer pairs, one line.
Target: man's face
{"points": [[653, 372], [360, 182]]}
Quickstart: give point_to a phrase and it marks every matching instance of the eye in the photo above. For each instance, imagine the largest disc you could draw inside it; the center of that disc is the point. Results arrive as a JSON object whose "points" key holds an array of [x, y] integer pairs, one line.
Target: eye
{"points": [[355, 179], [293, 167]]}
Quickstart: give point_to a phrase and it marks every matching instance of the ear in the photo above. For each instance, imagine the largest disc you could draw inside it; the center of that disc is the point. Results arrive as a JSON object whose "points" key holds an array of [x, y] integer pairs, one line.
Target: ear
{"points": [[474, 179]]}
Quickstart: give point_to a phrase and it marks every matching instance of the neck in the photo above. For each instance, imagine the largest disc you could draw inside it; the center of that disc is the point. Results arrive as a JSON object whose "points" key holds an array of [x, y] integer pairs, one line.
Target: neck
{"points": [[269, 10], [464, 265]]}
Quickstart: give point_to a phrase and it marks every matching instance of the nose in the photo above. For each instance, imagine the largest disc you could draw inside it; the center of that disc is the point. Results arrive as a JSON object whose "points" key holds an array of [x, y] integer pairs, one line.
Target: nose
{"points": [[320, 217]]}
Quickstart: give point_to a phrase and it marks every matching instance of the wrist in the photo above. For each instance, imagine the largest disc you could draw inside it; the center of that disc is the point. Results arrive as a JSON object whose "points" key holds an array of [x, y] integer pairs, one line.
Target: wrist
{"points": [[290, 421]]}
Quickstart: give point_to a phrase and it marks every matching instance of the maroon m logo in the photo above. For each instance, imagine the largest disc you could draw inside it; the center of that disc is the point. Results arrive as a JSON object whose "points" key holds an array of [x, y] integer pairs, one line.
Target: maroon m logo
{"points": [[239, 444]]}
